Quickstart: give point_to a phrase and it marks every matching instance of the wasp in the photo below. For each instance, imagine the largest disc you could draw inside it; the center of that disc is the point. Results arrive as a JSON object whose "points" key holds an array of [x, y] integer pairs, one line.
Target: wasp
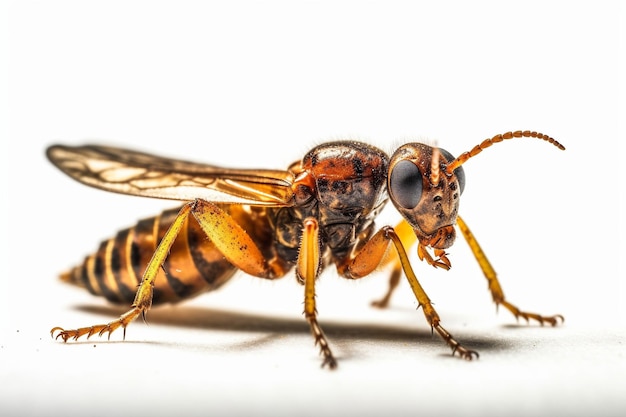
{"points": [[318, 212]]}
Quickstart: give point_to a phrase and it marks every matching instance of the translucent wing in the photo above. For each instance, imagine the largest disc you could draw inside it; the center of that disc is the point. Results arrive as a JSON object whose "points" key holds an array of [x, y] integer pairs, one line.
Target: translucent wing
{"points": [[136, 173]]}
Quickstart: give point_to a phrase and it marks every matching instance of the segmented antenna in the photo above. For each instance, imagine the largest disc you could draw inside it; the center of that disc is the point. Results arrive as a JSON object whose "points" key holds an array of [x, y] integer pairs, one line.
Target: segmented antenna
{"points": [[461, 159], [434, 167]]}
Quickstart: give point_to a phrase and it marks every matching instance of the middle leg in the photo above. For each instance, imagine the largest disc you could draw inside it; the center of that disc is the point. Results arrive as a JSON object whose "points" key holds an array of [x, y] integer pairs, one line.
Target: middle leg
{"points": [[370, 257], [307, 270]]}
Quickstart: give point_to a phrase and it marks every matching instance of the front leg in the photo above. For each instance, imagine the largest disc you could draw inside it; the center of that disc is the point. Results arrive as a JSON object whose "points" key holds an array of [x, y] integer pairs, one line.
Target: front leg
{"points": [[494, 285], [370, 256]]}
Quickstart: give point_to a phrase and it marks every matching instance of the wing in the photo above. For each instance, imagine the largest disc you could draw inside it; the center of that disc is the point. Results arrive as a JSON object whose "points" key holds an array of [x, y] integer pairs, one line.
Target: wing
{"points": [[136, 173]]}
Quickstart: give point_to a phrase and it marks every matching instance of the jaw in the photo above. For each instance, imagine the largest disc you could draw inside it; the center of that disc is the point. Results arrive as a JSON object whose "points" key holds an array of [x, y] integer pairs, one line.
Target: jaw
{"points": [[442, 238]]}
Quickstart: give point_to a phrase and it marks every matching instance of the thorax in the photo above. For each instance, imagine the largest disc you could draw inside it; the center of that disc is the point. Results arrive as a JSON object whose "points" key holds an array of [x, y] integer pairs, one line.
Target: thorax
{"points": [[343, 186]]}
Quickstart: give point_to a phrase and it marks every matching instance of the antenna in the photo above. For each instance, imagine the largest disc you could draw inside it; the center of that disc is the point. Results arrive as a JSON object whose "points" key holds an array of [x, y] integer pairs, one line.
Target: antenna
{"points": [[434, 167], [461, 159]]}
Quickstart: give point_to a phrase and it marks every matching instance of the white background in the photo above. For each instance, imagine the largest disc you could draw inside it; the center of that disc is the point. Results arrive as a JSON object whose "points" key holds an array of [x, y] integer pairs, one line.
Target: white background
{"points": [[256, 84]]}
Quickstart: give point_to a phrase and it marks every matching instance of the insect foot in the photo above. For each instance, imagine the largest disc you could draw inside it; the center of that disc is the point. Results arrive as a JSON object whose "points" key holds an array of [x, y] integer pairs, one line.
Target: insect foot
{"points": [[320, 340], [123, 321], [330, 361], [463, 352], [77, 333], [552, 320]]}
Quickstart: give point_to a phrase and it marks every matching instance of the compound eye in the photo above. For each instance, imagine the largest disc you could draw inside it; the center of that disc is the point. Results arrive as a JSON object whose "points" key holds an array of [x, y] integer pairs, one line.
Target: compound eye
{"points": [[460, 174], [405, 184]]}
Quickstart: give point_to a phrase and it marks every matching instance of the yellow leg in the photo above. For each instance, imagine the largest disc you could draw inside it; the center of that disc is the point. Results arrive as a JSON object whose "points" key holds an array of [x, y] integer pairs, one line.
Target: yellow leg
{"points": [[143, 298], [494, 285], [308, 267], [408, 238], [369, 258], [226, 234], [394, 281]]}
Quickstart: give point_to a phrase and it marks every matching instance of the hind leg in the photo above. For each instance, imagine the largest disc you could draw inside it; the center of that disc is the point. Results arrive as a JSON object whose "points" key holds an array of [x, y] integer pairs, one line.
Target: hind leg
{"points": [[229, 238]]}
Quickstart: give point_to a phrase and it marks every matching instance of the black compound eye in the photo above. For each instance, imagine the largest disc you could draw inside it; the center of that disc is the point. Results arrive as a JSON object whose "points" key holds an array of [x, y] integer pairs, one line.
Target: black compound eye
{"points": [[460, 174], [405, 184]]}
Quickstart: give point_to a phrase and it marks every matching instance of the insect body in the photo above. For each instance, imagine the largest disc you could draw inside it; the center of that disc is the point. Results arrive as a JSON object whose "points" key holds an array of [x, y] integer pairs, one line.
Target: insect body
{"points": [[320, 211]]}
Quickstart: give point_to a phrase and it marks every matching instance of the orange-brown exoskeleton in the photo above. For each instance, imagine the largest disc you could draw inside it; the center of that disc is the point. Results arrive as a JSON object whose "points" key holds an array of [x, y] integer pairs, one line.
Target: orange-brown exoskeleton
{"points": [[265, 223]]}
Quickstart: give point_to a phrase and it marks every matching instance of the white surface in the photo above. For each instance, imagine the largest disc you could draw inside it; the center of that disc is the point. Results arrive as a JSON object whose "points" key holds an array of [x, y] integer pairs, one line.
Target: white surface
{"points": [[257, 84]]}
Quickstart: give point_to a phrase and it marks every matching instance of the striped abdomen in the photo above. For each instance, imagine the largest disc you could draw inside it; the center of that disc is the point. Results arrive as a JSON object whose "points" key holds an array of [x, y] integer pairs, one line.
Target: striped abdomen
{"points": [[193, 266]]}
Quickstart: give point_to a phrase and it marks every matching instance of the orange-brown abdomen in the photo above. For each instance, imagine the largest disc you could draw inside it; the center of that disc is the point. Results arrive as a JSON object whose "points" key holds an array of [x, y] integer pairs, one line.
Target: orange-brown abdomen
{"points": [[194, 265]]}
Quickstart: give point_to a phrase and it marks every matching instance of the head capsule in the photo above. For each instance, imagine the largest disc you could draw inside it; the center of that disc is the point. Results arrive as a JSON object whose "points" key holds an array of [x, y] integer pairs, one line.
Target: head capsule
{"points": [[423, 191], [425, 184]]}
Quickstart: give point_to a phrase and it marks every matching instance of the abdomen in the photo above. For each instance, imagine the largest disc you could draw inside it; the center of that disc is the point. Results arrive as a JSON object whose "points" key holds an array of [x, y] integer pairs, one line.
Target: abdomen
{"points": [[193, 266]]}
